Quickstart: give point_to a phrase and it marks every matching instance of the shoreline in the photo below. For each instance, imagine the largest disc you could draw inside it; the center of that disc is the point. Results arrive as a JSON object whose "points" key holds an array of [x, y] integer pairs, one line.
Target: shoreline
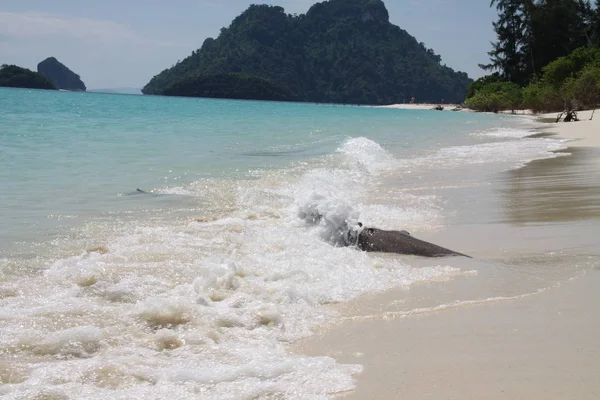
{"points": [[584, 133], [540, 344], [424, 106]]}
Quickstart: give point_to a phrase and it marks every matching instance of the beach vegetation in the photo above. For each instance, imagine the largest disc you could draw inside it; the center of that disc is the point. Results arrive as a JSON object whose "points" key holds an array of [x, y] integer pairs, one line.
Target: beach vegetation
{"points": [[531, 34], [340, 51], [540, 97], [496, 96], [551, 48], [509, 56], [583, 92], [480, 83], [559, 70], [17, 77], [596, 24], [566, 83]]}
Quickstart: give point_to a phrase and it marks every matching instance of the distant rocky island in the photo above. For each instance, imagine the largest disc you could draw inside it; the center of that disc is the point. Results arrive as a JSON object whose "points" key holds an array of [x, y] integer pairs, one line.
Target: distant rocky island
{"points": [[17, 77], [60, 76], [340, 51]]}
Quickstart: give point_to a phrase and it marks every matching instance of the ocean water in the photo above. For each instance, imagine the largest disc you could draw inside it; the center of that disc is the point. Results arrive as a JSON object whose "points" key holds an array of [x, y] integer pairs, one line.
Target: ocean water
{"points": [[195, 287]]}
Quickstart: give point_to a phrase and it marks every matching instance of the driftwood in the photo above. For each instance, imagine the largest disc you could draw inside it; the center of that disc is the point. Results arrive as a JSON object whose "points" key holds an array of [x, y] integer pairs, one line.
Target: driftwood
{"points": [[570, 111], [570, 116]]}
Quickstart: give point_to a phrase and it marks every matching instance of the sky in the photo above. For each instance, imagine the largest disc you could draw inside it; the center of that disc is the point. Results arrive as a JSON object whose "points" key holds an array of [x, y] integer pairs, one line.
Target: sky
{"points": [[124, 43]]}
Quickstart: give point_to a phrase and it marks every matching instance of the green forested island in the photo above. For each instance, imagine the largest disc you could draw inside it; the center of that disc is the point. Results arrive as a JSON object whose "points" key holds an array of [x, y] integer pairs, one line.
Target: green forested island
{"points": [[17, 77], [546, 58], [61, 76], [228, 86], [340, 51]]}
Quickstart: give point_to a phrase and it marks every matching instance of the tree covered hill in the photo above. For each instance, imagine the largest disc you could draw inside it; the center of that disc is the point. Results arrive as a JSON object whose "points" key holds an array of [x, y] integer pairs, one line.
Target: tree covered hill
{"points": [[546, 57], [340, 51], [17, 77], [61, 76], [228, 86]]}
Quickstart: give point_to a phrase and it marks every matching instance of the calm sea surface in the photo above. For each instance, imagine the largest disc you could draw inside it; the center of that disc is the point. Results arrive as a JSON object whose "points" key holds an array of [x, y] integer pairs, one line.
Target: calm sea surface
{"points": [[193, 287]]}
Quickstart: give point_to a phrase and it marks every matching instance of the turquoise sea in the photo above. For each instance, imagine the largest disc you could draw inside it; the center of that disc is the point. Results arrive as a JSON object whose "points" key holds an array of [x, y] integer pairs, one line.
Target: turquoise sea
{"points": [[194, 287]]}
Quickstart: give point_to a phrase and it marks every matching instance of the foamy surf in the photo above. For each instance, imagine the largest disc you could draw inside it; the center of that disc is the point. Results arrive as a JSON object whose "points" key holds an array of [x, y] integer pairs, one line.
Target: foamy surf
{"points": [[198, 291], [207, 307], [510, 154]]}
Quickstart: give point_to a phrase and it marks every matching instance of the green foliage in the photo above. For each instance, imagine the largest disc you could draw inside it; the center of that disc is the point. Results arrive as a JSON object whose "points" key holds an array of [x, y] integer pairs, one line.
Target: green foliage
{"points": [[567, 82], [231, 86], [585, 89], [533, 33], [514, 32], [496, 96], [481, 83], [551, 46], [60, 76], [341, 51], [14, 76], [595, 22], [540, 97], [562, 68]]}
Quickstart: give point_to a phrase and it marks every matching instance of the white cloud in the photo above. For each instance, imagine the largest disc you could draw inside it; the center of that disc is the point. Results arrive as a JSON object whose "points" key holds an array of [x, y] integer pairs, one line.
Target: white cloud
{"points": [[20, 25], [34, 24], [105, 53]]}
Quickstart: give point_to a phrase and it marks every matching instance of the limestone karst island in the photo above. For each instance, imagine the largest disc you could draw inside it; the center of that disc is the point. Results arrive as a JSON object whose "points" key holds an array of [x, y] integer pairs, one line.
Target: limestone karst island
{"points": [[338, 52], [51, 74], [60, 76], [17, 77]]}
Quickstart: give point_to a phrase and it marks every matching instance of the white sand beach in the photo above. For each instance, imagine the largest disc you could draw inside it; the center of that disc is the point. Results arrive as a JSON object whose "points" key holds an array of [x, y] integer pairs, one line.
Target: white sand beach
{"points": [[584, 132], [421, 106], [540, 345]]}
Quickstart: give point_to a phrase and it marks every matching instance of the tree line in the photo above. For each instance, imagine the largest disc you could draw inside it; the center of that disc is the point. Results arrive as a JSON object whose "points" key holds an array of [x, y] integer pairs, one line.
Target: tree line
{"points": [[546, 57]]}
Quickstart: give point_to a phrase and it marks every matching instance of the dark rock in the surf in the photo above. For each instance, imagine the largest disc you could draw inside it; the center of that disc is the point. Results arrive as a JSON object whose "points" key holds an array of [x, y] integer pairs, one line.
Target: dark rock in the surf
{"points": [[60, 76], [400, 242]]}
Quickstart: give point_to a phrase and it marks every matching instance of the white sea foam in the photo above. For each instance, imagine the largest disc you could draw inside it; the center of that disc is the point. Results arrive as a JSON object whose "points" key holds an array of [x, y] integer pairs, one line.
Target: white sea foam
{"points": [[512, 154], [195, 290], [510, 133], [206, 307]]}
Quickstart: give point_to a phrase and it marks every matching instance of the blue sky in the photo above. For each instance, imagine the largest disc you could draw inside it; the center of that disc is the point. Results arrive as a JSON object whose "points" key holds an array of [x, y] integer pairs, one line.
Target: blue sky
{"points": [[124, 43]]}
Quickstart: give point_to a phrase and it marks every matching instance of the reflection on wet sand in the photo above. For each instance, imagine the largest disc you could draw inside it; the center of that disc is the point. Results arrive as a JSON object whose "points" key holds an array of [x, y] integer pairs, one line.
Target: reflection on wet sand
{"points": [[559, 189]]}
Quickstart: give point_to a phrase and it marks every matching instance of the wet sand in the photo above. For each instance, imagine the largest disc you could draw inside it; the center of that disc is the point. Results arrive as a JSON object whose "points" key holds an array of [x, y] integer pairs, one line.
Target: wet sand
{"points": [[539, 347], [525, 324], [584, 133]]}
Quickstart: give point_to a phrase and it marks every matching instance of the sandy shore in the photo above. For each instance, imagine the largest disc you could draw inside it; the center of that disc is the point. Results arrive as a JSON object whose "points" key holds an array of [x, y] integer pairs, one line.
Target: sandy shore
{"points": [[540, 347], [584, 132], [535, 344], [447, 107]]}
